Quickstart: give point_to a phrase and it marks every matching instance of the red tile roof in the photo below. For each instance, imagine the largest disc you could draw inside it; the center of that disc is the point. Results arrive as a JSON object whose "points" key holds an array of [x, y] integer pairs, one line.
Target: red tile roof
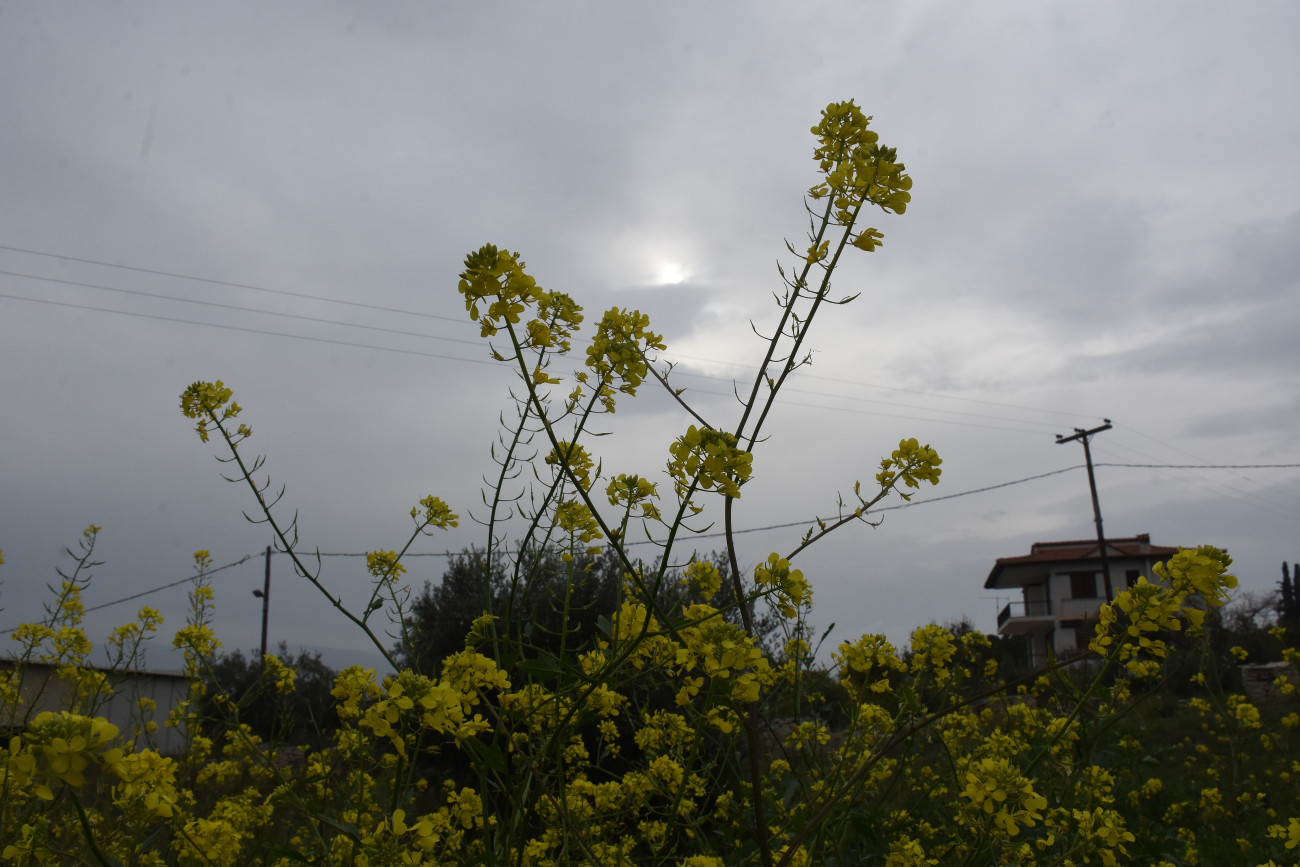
{"points": [[1082, 549]]}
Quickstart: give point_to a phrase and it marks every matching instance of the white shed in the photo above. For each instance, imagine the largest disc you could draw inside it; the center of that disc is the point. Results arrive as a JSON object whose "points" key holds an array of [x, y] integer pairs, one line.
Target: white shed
{"points": [[40, 689]]}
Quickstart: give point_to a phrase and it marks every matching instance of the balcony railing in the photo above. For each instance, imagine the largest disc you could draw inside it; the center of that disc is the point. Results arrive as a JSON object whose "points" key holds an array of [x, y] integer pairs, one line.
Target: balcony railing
{"points": [[1036, 608]]}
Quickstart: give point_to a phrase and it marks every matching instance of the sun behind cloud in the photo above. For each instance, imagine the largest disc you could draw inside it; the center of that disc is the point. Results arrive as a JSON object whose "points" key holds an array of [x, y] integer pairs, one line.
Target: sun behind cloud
{"points": [[670, 273]]}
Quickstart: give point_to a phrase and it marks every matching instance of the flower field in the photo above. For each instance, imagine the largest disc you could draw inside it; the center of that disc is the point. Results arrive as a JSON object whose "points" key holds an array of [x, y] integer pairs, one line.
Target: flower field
{"points": [[697, 726]]}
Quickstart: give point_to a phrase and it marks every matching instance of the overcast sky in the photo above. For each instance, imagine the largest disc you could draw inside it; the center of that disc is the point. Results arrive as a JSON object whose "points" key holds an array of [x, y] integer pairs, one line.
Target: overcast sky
{"points": [[1105, 224]]}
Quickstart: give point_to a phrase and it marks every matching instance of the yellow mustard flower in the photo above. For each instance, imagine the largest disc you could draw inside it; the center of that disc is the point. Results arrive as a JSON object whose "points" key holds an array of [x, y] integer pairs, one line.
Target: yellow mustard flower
{"points": [[711, 459]]}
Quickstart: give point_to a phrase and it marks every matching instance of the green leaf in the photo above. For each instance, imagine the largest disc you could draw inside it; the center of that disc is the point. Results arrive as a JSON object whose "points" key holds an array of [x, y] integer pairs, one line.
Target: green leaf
{"points": [[487, 755], [544, 667], [346, 828]]}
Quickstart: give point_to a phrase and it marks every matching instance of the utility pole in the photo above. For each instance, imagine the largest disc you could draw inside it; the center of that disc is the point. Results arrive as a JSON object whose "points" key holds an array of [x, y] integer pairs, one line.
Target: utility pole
{"points": [[264, 594], [1082, 435]]}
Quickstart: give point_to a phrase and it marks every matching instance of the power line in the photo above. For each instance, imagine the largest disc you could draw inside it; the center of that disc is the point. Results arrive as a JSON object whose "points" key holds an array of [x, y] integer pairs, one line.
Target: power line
{"points": [[1157, 442], [228, 283], [934, 394], [241, 561], [248, 557], [1219, 487], [1207, 466], [477, 343], [158, 589], [405, 312], [884, 402], [789, 402], [372, 347], [784, 526], [248, 330], [912, 503], [241, 308], [1232, 491], [906, 505], [460, 321]]}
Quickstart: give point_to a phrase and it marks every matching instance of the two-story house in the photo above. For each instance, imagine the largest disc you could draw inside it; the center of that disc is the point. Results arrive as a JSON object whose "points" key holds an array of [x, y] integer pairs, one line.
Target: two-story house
{"points": [[1061, 589]]}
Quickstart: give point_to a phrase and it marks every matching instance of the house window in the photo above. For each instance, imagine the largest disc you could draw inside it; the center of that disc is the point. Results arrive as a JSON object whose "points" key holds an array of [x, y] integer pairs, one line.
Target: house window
{"points": [[1131, 577], [1083, 585]]}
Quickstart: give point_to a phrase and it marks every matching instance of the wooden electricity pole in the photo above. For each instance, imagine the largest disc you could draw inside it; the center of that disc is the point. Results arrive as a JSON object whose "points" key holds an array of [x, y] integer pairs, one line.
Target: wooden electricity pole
{"points": [[265, 595], [1082, 435]]}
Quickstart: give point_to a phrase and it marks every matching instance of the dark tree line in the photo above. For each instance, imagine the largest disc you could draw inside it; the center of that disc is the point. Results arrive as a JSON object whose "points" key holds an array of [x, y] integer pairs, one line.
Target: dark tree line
{"points": [[550, 604], [546, 608], [306, 716], [553, 609], [1288, 606]]}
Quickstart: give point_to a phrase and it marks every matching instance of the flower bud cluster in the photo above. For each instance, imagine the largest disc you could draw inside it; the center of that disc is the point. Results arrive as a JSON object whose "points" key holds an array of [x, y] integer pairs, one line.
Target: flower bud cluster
{"points": [[711, 458], [426, 839], [998, 793], [618, 352], [285, 677], [128, 634], [911, 463], [210, 402], [720, 659], [634, 493], [497, 279], [1189, 581], [148, 785], [354, 688], [574, 517], [558, 316], [576, 458], [865, 665], [704, 577], [857, 170], [384, 565], [436, 513], [498, 291], [61, 746], [791, 588], [907, 852], [412, 703], [933, 649], [198, 640], [633, 623]]}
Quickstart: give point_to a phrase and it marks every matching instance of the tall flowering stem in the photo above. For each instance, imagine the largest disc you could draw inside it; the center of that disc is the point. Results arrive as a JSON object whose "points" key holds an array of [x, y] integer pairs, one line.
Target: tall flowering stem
{"points": [[212, 406]]}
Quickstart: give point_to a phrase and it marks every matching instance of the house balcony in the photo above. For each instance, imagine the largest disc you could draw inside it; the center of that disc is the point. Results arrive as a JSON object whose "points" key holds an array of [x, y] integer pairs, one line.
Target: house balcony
{"points": [[1020, 617]]}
